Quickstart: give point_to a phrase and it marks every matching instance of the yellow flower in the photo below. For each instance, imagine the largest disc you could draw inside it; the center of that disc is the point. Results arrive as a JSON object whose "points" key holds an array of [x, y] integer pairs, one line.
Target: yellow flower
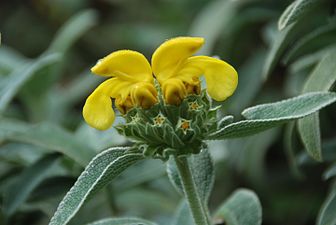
{"points": [[178, 72], [131, 84]]}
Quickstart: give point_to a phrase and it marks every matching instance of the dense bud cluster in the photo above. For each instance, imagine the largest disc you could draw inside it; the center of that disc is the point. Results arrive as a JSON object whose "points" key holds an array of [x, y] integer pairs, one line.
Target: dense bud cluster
{"points": [[165, 130]]}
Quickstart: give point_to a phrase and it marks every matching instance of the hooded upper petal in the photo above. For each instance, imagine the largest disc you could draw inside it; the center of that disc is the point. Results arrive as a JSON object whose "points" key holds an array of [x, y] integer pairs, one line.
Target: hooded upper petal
{"points": [[172, 53], [221, 78], [144, 95], [126, 64], [127, 69]]}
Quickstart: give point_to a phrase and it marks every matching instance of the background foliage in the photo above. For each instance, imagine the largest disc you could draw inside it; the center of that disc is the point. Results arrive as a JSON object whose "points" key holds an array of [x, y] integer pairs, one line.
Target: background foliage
{"points": [[281, 49]]}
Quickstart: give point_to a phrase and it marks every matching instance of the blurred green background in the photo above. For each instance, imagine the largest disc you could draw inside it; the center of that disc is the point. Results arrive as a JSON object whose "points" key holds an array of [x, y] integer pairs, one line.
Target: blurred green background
{"points": [[47, 49]]}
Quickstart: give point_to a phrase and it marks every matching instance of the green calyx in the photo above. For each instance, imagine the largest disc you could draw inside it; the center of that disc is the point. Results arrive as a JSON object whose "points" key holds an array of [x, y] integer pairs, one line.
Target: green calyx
{"points": [[165, 130]]}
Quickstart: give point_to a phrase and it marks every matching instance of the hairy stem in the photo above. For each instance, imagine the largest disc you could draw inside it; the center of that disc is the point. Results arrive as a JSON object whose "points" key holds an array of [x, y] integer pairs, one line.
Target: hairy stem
{"points": [[198, 210]]}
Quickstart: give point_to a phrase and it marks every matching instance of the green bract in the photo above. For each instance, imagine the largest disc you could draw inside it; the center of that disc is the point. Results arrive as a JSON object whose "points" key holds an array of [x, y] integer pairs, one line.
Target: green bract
{"points": [[165, 130]]}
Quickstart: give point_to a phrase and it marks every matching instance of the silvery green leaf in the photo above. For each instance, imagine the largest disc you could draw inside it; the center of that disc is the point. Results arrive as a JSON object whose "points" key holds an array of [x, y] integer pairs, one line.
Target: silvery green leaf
{"points": [[98, 140], [309, 130], [157, 201], [211, 22], [310, 59], [313, 41], [294, 11], [47, 135], [183, 215], [330, 172], [20, 154], [19, 76], [204, 173], [280, 42], [72, 30], [226, 120], [321, 79], [327, 214], [250, 82], [266, 116], [77, 89], [122, 221], [328, 152], [174, 176], [10, 59], [18, 191], [40, 85], [324, 75], [202, 168], [142, 172], [99, 172], [292, 108], [241, 208], [248, 155], [289, 150]]}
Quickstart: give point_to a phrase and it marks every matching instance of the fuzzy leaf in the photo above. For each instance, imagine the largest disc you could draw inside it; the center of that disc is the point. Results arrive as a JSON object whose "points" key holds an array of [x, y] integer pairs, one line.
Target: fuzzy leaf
{"points": [[211, 22], [324, 75], [310, 60], [321, 79], [226, 120], [73, 30], [289, 150], [281, 41], [330, 172], [12, 84], [291, 108], [100, 171], [142, 172], [122, 221], [309, 130], [242, 208], [266, 116], [202, 169], [327, 214], [312, 42], [46, 135], [10, 59], [328, 152], [183, 215], [243, 128], [18, 191], [250, 82], [294, 11]]}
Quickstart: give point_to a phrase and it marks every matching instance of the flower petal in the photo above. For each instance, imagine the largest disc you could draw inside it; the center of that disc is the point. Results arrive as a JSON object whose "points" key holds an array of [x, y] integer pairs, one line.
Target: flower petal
{"points": [[172, 53], [116, 87], [126, 64], [98, 111], [174, 91], [144, 95], [221, 78]]}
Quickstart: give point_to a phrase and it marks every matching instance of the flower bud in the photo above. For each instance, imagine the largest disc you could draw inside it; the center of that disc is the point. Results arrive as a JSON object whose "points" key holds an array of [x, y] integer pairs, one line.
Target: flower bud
{"points": [[124, 106], [193, 87], [144, 95], [174, 91]]}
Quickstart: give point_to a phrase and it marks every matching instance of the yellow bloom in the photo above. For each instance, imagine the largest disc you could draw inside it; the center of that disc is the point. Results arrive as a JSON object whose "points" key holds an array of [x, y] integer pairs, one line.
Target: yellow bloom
{"points": [[174, 65], [131, 84]]}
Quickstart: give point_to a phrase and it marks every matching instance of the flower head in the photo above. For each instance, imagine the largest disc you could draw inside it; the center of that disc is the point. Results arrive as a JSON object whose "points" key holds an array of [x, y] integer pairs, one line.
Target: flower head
{"points": [[178, 71], [131, 84], [131, 81]]}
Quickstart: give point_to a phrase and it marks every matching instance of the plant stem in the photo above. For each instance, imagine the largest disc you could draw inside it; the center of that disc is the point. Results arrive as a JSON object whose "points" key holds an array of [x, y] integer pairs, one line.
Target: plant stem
{"points": [[198, 210]]}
